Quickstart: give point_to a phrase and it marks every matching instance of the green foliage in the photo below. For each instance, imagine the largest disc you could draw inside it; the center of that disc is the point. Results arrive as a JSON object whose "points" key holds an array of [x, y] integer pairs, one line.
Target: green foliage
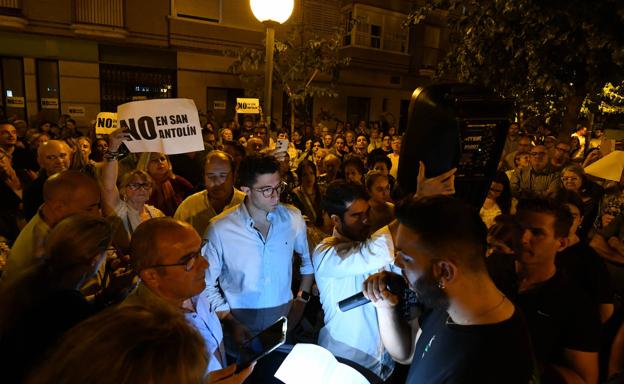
{"points": [[299, 59], [547, 54]]}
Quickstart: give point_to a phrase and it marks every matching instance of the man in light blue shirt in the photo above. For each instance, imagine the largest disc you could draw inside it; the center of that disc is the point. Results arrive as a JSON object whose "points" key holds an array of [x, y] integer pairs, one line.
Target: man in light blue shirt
{"points": [[250, 250]]}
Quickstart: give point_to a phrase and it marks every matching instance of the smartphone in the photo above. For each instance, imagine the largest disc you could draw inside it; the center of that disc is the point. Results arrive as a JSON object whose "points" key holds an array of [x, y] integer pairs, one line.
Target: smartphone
{"points": [[263, 343]]}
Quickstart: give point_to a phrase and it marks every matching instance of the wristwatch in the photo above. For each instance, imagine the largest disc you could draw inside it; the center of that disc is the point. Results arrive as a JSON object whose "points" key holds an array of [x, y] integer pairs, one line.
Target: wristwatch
{"points": [[303, 296]]}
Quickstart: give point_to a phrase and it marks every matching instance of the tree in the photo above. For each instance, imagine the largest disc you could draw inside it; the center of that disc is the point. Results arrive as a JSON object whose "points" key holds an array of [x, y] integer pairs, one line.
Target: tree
{"points": [[549, 55], [299, 59]]}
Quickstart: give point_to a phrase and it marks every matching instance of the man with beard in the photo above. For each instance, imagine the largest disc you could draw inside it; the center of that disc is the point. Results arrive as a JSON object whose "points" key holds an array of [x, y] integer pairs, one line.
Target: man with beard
{"points": [[219, 194], [344, 260], [469, 332]]}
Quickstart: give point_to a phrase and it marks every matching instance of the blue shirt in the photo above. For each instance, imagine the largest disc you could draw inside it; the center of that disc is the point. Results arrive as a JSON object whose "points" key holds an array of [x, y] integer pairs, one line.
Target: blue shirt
{"points": [[253, 272]]}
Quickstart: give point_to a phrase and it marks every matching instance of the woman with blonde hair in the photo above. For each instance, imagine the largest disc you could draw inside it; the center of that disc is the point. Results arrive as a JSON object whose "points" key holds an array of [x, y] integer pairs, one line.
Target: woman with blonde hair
{"points": [[169, 189], [39, 304], [128, 202], [128, 345]]}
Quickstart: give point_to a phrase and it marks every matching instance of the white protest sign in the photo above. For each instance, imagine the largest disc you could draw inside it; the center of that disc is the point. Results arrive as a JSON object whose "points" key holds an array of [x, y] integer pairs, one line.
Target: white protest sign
{"points": [[105, 123], [247, 105], [161, 125]]}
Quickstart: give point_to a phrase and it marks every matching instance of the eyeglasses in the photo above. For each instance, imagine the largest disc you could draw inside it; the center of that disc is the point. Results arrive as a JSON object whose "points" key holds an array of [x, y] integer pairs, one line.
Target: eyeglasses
{"points": [[188, 261], [268, 192], [537, 154], [137, 186]]}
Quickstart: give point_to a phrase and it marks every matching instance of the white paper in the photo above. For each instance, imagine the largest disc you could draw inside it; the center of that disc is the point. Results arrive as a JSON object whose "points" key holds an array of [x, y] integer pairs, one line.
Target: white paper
{"points": [[161, 125], [312, 364], [609, 167]]}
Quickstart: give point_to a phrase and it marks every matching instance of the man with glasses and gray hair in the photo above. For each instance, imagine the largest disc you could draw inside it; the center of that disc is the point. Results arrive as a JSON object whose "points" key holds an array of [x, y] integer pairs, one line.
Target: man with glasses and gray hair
{"points": [[250, 249], [539, 179]]}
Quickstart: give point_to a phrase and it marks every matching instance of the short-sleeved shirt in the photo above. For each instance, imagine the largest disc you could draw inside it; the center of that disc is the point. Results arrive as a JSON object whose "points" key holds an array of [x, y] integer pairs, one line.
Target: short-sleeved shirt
{"points": [[197, 210], [559, 314], [487, 353], [581, 264]]}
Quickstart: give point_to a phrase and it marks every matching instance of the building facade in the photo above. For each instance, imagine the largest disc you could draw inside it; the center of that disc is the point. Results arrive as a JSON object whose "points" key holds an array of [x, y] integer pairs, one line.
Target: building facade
{"points": [[80, 57]]}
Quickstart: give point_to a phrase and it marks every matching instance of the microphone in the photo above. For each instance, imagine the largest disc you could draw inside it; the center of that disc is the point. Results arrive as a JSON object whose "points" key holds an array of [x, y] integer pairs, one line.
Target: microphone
{"points": [[395, 285]]}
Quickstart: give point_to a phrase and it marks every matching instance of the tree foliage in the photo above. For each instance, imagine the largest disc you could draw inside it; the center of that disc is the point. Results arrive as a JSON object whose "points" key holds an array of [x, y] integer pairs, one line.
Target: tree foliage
{"points": [[300, 58], [549, 55]]}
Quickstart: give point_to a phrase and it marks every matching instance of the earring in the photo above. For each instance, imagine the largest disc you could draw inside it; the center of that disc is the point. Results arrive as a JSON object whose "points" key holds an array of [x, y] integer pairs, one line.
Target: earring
{"points": [[441, 284]]}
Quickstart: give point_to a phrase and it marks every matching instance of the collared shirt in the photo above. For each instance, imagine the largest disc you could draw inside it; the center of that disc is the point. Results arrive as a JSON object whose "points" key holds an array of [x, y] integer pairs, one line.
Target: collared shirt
{"points": [[202, 319], [28, 245], [526, 182], [252, 271], [197, 210], [340, 268]]}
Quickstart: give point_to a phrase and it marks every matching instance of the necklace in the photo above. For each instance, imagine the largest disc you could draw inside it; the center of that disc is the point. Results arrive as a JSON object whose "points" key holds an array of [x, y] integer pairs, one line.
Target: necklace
{"points": [[450, 321]]}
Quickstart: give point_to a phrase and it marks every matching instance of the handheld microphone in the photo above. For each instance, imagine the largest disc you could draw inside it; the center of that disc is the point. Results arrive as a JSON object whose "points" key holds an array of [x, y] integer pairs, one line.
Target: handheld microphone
{"points": [[395, 285]]}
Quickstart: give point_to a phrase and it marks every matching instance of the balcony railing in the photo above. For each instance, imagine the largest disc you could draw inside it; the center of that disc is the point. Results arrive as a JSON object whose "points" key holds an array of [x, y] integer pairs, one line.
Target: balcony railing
{"points": [[11, 7], [108, 13]]}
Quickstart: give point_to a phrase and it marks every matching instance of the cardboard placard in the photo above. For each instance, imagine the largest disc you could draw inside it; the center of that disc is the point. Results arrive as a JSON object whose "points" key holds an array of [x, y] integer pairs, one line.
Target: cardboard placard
{"points": [[247, 105], [105, 123], [169, 126]]}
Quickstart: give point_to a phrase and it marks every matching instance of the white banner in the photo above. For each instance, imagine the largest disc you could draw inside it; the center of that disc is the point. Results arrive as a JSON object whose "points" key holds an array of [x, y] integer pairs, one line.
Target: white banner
{"points": [[105, 123], [247, 105], [161, 125]]}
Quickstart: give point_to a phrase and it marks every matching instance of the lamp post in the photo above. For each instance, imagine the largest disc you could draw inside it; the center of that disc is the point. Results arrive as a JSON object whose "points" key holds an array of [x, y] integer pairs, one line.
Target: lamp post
{"points": [[270, 13]]}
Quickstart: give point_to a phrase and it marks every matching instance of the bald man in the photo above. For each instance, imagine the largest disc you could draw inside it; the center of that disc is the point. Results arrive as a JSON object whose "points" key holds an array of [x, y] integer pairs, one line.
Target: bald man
{"points": [[53, 156], [166, 253], [219, 194], [64, 194]]}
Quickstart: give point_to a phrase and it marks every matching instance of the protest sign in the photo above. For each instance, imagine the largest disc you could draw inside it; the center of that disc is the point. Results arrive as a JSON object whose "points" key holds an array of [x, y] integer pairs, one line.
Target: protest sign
{"points": [[161, 125], [105, 123], [247, 105]]}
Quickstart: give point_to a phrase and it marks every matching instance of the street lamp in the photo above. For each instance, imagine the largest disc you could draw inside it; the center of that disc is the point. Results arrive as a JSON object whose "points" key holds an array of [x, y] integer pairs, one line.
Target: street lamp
{"points": [[270, 13]]}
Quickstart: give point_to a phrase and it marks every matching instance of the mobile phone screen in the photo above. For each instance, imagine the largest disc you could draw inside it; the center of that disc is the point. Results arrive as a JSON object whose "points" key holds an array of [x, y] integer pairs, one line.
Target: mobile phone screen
{"points": [[263, 343]]}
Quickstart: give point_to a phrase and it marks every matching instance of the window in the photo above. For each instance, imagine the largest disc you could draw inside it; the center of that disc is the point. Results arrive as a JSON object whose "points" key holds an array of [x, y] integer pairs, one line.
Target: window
{"points": [[348, 28], [375, 36], [48, 89], [358, 108], [12, 85], [120, 84]]}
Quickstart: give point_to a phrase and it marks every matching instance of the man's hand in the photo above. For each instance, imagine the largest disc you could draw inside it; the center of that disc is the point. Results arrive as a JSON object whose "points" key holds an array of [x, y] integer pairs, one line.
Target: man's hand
{"points": [[443, 184], [375, 289], [227, 375]]}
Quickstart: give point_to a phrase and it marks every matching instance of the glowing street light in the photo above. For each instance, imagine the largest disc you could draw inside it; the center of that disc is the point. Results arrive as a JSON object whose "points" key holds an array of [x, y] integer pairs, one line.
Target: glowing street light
{"points": [[270, 13]]}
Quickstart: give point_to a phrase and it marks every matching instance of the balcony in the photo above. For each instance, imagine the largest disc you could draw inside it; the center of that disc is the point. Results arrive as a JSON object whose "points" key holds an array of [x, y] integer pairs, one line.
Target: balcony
{"points": [[11, 15], [99, 18]]}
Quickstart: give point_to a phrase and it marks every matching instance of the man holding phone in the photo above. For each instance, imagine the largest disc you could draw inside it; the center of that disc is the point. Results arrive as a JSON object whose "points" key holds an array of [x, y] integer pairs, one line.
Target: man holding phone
{"points": [[166, 254]]}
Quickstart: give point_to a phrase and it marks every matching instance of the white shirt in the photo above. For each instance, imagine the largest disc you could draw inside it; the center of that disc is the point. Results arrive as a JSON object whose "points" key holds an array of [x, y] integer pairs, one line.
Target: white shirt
{"points": [[197, 210], [131, 218], [340, 268], [254, 272]]}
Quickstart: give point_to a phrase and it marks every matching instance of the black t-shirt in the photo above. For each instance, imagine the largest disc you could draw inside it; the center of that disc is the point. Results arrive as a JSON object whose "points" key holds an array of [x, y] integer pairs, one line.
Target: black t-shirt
{"points": [[558, 313], [583, 266], [491, 353]]}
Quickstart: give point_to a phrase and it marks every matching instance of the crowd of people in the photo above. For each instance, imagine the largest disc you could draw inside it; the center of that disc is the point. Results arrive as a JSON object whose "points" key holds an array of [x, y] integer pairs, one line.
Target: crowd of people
{"points": [[147, 267]]}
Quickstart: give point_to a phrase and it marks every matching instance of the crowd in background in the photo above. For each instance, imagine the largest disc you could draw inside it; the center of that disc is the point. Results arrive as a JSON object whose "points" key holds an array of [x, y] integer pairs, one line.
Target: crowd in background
{"points": [[59, 255]]}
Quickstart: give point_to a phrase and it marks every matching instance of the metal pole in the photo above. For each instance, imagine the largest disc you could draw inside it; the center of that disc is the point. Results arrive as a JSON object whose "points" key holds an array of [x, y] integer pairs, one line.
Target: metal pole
{"points": [[268, 72]]}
